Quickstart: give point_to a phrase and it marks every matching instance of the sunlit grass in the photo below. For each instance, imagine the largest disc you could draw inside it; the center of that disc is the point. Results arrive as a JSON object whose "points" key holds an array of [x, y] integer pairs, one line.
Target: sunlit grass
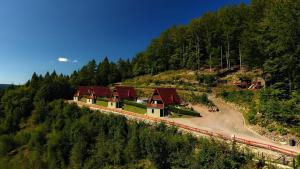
{"points": [[101, 103], [134, 109]]}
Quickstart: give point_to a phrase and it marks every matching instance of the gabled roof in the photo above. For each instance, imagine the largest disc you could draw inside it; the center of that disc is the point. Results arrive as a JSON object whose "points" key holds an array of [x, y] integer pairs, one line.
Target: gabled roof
{"points": [[82, 90], [125, 92], [100, 91], [168, 96]]}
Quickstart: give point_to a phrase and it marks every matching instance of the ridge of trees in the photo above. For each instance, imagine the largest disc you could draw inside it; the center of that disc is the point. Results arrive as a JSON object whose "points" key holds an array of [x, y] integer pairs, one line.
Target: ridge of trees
{"points": [[264, 34]]}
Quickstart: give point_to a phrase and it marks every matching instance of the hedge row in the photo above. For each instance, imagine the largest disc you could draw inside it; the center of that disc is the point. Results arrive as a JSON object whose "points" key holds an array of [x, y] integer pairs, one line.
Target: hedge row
{"points": [[102, 99], [183, 112], [135, 104]]}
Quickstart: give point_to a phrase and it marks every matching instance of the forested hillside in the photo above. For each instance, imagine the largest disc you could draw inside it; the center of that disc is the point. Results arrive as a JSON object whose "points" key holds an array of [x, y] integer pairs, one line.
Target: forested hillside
{"points": [[39, 131], [264, 34], [3, 86]]}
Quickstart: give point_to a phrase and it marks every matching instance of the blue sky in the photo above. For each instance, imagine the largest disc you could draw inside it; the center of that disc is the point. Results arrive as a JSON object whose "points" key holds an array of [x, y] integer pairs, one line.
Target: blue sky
{"points": [[35, 33]]}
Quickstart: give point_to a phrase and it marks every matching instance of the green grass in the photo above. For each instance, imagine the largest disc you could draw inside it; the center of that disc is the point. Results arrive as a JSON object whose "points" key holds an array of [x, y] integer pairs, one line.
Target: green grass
{"points": [[101, 103], [134, 109], [83, 99]]}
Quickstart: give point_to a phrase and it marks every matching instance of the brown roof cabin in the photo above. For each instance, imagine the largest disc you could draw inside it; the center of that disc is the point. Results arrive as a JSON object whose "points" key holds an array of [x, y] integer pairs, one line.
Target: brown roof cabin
{"points": [[97, 91], [119, 94], [100, 91], [81, 91], [161, 98]]}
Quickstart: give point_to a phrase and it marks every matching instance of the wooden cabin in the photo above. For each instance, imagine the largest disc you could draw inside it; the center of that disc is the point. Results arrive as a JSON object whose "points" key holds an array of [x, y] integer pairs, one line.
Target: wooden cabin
{"points": [[119, 94], [160, 99], [81, 91], [97, 91]]}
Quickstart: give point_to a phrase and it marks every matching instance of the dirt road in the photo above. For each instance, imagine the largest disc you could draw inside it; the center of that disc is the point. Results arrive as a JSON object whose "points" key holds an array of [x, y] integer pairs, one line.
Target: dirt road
{"points": [[227, 121]]}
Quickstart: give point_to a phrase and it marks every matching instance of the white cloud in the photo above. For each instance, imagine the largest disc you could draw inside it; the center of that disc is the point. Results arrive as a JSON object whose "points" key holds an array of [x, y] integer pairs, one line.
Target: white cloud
{"points": [[75, 61], [62, 59]]}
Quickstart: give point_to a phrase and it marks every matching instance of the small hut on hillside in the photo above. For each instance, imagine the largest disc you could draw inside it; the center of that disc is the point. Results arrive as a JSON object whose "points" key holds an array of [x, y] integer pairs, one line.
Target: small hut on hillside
{"points": [[81, 91], [98, 91], [160, 99], [119, 94]]}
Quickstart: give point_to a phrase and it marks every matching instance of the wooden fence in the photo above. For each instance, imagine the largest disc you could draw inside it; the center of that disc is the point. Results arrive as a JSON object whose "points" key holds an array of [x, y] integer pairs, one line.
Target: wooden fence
{"points": [[193, 129]]}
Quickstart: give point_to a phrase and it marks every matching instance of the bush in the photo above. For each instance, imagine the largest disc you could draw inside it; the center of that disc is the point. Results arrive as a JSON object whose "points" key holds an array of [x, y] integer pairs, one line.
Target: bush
{"points": [[135, 104], [239, 97], [202, 99], [251, 115], [209, 80], [298, 160], [6, 144], [282, 130], [245, 78], [271, 127], [22, 138], [102, 99], [183, 112]]}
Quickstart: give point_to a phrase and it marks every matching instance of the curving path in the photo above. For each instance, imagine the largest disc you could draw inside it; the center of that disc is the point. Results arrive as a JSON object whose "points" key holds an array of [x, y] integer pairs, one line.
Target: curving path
{"points": [[228, 121]]}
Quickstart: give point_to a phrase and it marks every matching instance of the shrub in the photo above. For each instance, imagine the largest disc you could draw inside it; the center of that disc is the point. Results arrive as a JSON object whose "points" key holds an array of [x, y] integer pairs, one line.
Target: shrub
{"points": [[251, 115], [102, 99], [203, 99], [298, 160], [134, 104], [6, 144], [183, 111], [282, 130], [22, 138], [271, 127], [157, 82], [245, 78], [239, 97], [209, 80]]}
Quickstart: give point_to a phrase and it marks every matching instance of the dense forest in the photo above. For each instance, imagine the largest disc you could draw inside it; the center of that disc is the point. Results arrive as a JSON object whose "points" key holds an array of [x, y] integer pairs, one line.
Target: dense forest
{"points": [[264, 34]]}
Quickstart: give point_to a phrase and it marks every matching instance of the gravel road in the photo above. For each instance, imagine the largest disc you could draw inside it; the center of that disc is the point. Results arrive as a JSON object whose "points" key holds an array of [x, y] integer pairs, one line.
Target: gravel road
{"points": [[228, 121]]}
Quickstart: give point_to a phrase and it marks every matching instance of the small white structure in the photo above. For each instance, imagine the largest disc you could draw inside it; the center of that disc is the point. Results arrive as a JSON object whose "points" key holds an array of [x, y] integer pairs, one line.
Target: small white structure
{"points": [[75, 98], [81, 91], [91, 100], [142, 100]]}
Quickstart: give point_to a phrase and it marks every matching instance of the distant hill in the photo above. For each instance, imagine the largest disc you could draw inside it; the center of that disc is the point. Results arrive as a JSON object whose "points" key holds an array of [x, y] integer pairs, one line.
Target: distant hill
{"points": [[2, 86]]}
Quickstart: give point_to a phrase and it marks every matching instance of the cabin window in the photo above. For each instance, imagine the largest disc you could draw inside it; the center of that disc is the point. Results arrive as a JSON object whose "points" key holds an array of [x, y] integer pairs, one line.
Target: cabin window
{"points": [[152, 111]]}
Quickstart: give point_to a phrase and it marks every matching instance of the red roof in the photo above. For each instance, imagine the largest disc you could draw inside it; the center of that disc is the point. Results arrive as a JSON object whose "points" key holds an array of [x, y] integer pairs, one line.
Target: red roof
{"points": [[100, 91], [168, 96], [83, 90], [124, 92]]}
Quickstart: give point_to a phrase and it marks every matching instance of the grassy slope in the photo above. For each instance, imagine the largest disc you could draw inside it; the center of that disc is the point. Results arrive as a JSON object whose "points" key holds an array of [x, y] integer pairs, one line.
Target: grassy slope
{"points": [[102, 103], [185, 81], [134, 109]]}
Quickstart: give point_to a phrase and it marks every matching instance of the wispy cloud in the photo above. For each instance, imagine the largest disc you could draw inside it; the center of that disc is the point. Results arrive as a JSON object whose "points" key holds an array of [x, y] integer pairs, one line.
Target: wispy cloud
{"points": [[75, 61], [62, 59]]}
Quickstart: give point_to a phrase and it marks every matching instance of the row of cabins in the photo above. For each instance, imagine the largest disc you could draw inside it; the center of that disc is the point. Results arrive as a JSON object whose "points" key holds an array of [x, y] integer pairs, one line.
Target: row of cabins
{"points": [[156, 104]]}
